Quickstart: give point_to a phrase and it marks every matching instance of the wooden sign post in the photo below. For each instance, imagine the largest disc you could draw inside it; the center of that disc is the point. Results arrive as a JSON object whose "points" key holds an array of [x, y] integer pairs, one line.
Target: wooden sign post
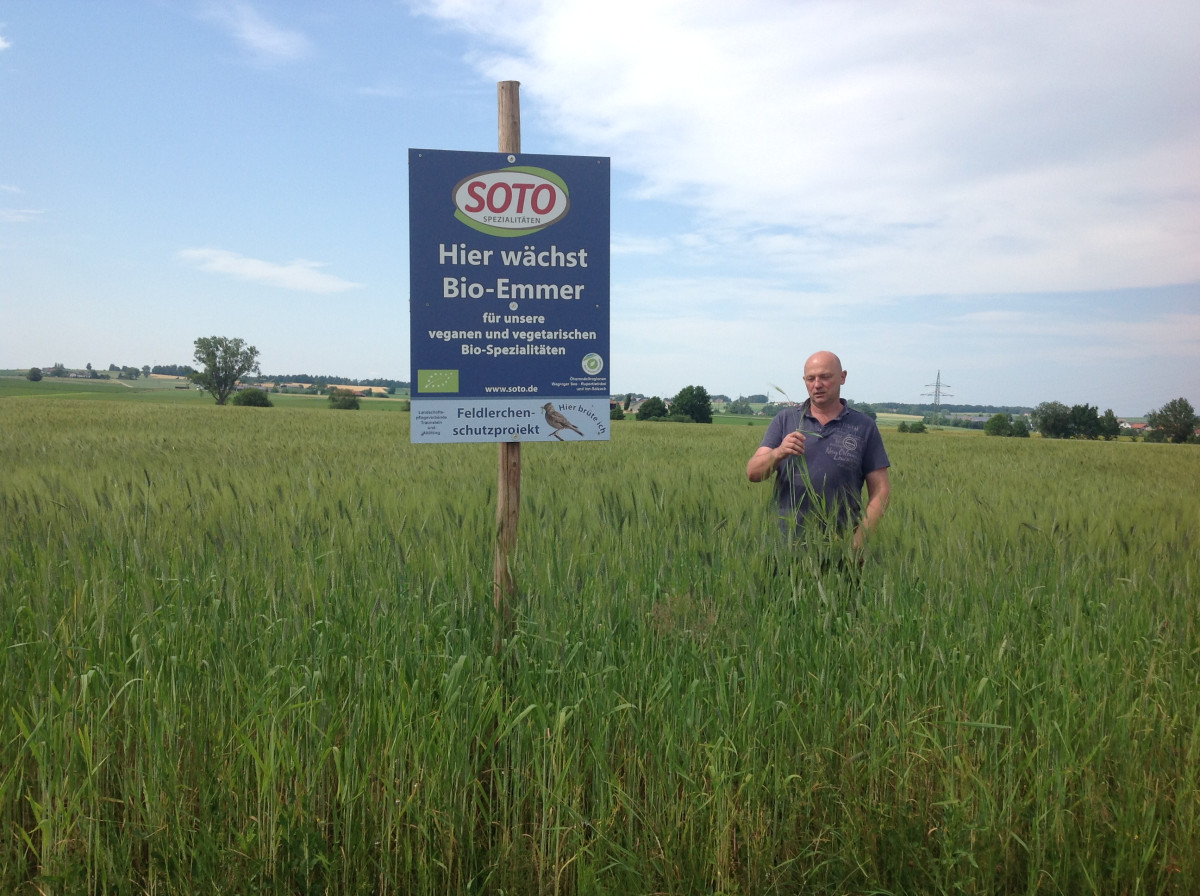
{"points": [[508, 480]]}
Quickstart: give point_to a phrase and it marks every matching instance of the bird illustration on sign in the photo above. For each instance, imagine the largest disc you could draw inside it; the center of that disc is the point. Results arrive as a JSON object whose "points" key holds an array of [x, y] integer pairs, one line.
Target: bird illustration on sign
{"points": [[557, 421]]}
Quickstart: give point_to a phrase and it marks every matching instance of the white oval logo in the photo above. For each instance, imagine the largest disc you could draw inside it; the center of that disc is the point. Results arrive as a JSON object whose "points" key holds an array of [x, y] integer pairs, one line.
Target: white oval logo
{"points": [[512, 201]]}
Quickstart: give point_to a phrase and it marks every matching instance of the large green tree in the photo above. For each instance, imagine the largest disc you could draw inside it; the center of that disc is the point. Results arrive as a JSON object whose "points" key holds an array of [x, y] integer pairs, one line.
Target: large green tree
{"points": [[223, 361], [693, 401], [1053, 420], [1176, 420], [652, 407], [1085, 421], [1110, 426], [998, 425]]}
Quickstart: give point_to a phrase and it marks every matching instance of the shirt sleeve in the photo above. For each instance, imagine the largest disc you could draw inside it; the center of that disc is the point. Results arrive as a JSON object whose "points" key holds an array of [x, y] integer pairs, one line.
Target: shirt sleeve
{"points": [[776, 430], [875, 457]]}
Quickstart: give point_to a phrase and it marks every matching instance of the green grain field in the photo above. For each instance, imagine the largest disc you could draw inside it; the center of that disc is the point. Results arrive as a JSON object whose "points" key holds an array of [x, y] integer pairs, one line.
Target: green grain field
{"points": [[250, 651]]}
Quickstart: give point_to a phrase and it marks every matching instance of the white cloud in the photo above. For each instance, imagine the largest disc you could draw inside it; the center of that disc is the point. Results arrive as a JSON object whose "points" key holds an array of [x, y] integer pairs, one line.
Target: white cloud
{"points": [[265, 40], [920, 147], [299, 275], [19, 215], [624, 244], [4, 43], [1165, 334]]}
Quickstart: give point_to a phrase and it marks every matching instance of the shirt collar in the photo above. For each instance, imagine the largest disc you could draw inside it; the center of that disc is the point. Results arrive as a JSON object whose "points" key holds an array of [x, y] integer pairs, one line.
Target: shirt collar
{"points": [[806, 409]]}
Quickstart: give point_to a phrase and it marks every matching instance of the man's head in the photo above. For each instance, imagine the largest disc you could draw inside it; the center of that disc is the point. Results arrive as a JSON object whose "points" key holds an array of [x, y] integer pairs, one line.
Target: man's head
{"points": [[823, 377]]}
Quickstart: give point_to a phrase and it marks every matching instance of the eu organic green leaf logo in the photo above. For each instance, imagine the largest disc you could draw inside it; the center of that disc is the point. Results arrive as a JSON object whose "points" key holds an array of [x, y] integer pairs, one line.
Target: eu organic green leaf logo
{"points": [[437, 380]]}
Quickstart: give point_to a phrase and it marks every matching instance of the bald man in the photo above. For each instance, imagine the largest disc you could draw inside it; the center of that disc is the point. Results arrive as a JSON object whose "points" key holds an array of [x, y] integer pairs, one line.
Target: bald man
{"points": [[841, 450]]}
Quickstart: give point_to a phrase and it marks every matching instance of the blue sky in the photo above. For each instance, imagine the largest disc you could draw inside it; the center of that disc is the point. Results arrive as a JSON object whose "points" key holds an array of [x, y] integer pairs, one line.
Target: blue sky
{"points": [[1005, 192]]}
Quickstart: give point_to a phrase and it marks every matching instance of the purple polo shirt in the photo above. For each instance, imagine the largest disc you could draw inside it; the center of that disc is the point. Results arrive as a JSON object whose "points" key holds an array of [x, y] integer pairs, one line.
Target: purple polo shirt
{"points": [[839, 455]]}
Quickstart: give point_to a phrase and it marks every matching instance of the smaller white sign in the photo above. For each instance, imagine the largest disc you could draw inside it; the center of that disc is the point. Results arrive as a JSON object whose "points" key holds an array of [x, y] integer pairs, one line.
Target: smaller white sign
{"points": [[542, 419]]}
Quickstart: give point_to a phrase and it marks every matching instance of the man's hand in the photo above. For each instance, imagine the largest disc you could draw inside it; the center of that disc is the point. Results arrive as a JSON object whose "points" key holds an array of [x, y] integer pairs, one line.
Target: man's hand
{"points": [[791, 446], [765, 460], [860, 540], [879, 493]]}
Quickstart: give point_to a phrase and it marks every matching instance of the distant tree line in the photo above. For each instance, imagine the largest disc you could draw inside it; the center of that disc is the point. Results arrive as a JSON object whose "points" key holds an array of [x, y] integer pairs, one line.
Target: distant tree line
{"points": [[1176, 421], [921, 410], [932, 415], [323, 383], [319, 383], [1007, 425], [691, 404], [1054, 420], [60, 370], [128, 372], [973, 421], [173, 369], [743, 404]]}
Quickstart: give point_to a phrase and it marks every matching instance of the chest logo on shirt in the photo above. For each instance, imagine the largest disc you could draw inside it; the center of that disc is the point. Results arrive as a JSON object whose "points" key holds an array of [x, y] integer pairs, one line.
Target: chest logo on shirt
{"points": [[843, 450]]}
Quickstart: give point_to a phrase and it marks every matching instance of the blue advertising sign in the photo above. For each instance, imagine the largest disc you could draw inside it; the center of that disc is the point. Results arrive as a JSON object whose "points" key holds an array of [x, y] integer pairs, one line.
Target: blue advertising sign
{"points": [[509, 305]]}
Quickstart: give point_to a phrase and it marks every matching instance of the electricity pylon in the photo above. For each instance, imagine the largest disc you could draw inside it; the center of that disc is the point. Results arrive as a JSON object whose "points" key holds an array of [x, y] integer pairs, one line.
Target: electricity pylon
{"points": [[938, 391]]}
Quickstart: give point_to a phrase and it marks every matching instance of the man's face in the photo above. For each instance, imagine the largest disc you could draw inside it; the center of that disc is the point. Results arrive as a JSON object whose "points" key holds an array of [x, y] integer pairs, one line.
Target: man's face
{"points": [[823, 377]]}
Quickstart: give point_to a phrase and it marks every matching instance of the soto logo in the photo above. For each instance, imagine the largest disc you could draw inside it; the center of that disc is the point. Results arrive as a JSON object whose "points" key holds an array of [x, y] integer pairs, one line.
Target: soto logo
{"points": [[513, 201]]}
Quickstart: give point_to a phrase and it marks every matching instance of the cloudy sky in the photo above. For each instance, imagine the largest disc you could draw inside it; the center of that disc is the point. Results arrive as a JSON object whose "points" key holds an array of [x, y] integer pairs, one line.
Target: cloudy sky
{"points": [[1007, 193]]}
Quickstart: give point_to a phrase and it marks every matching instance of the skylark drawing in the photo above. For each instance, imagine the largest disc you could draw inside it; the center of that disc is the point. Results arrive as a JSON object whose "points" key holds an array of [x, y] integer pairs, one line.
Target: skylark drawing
{"points": [[557, 421]]}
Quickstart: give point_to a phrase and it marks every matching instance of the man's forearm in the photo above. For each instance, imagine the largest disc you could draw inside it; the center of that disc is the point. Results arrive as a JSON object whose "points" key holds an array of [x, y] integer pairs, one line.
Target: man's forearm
{"points": [[874, 513], [761, 466]]}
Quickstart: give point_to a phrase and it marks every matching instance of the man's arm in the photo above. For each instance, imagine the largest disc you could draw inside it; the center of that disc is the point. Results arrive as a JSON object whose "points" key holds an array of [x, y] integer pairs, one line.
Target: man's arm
{"points": [[764, 461], [879, 492]]}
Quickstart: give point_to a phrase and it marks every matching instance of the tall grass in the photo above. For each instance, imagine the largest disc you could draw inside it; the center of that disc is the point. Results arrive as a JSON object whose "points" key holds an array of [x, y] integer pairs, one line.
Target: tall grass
{"points": [[250, 651]]}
